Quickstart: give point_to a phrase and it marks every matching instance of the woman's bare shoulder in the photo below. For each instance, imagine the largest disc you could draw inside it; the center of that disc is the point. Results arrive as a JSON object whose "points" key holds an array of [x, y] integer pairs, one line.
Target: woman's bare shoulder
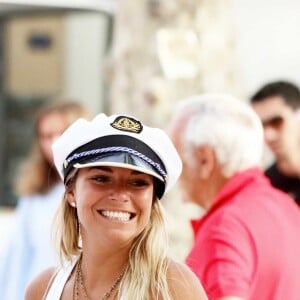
{"points": [[38, 286], [183, 283]]}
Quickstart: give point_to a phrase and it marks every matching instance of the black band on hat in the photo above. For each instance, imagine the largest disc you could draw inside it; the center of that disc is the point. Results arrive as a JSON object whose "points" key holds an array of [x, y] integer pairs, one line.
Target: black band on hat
{"points": [[114, 143]]}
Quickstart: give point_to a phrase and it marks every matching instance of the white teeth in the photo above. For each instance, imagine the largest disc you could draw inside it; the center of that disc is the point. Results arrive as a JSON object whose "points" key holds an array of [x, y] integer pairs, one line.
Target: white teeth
{"points": [[116, 215]]}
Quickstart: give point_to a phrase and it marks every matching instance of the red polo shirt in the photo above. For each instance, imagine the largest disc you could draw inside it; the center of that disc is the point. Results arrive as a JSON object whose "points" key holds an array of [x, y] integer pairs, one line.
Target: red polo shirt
{"points": [[248, 244]]}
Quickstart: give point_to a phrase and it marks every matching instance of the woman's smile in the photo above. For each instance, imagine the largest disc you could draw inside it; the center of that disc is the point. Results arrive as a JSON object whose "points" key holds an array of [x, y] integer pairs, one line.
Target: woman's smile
{"points": [[117, 215]]}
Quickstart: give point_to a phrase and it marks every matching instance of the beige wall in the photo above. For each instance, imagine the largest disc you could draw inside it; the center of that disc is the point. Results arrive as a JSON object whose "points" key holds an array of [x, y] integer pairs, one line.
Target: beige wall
{"points": [[33, 71], [71, 67], [86, 36]]}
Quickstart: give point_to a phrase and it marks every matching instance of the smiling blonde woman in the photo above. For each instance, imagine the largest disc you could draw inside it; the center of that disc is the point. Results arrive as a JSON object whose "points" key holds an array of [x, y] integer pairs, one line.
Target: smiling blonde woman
{"points": [[112, 236]]}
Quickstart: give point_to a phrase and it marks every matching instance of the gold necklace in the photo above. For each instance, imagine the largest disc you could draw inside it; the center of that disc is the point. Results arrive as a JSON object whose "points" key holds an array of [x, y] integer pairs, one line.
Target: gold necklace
{"points": [[79, 281]]}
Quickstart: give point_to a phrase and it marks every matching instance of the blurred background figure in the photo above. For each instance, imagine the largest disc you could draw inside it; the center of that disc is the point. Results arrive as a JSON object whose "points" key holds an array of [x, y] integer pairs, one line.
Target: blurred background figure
{"points": [[278, 106], [235, 252], [30, 249], [135, 56]]}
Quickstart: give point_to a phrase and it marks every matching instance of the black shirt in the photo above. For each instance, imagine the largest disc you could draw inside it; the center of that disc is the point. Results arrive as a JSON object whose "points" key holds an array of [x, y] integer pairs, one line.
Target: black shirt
{"points": [[290, 185]]}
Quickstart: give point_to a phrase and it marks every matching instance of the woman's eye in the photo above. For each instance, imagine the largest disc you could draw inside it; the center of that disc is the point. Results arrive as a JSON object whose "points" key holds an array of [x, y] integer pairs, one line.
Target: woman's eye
{"points": [[139, 183], [101, 179]]}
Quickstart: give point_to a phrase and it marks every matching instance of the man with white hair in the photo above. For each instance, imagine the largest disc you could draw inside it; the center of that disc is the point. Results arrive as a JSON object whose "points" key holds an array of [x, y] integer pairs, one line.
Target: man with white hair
{"points": [[247, 243]]}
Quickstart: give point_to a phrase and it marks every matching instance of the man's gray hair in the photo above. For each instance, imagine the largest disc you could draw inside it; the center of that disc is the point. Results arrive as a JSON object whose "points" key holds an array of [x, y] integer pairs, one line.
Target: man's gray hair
{"points": [[228, 125]]}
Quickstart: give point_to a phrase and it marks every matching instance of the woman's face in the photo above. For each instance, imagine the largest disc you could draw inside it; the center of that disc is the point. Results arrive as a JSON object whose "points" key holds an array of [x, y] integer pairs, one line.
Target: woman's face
{"points": [[50, 127], [113, 204]]}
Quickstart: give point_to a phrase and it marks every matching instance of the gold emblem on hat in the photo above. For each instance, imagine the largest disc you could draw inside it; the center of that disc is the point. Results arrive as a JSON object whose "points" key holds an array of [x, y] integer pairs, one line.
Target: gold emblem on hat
{"points": [[127, 124]]}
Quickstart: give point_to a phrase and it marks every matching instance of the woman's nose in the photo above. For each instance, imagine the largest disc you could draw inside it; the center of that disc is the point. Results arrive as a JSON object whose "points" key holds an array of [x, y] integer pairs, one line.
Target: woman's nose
{"points": [[120, 193]]}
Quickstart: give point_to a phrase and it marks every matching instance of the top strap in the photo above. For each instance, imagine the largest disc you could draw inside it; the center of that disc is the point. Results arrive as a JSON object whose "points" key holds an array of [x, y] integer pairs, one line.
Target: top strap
{"points": [[58, 281]]}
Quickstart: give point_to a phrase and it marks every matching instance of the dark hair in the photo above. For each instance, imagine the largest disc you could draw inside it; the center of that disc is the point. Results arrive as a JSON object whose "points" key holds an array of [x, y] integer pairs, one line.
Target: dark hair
{"points": [[287, 90]]}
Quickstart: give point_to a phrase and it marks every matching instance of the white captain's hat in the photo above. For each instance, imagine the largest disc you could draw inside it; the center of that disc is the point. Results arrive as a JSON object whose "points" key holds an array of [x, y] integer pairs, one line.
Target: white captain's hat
{"points": [[120, 141]]}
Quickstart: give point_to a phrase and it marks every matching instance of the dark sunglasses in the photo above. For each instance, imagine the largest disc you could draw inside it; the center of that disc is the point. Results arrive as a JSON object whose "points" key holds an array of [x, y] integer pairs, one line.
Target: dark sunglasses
{"points": [[274, 122]]}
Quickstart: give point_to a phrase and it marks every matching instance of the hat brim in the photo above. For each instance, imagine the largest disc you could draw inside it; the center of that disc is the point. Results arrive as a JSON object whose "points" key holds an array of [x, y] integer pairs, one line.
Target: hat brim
{"points": [[120, 160], [118, 165]]}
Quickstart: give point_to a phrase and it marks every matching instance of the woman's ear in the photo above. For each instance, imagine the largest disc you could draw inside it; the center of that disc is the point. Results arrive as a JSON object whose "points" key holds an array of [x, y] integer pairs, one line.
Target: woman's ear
{"points": [[206, 161], [71, 197]]}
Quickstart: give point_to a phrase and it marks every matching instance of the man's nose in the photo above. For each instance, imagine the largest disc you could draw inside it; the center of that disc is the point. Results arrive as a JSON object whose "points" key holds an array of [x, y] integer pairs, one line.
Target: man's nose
{"points": [[270, 134]]}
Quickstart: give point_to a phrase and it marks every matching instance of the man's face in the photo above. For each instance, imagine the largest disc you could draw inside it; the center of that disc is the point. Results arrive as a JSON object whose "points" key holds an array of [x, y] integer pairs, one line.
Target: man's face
{"points": [[281, 126], [193, 186]]}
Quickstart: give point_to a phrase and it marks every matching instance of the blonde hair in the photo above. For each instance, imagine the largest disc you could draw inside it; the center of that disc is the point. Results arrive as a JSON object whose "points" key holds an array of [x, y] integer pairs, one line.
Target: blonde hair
{"points": [[146, 274], [36, 174]]}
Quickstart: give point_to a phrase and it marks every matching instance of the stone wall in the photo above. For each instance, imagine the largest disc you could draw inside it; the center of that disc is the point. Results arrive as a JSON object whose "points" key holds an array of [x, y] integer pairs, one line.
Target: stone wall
{"points": [[164, 51]]}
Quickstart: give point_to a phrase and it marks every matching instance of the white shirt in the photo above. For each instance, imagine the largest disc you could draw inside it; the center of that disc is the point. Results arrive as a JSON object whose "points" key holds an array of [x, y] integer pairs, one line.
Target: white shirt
{"points": [[30, 248], [56, 287]]}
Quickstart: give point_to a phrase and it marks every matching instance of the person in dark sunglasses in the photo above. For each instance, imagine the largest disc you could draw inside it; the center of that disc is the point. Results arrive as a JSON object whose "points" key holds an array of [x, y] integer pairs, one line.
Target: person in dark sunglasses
{"points": [[277, 104]]}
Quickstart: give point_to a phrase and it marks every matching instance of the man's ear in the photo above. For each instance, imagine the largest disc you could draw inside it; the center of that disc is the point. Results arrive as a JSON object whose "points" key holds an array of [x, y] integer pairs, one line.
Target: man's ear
{"points": [[205, 156]]}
